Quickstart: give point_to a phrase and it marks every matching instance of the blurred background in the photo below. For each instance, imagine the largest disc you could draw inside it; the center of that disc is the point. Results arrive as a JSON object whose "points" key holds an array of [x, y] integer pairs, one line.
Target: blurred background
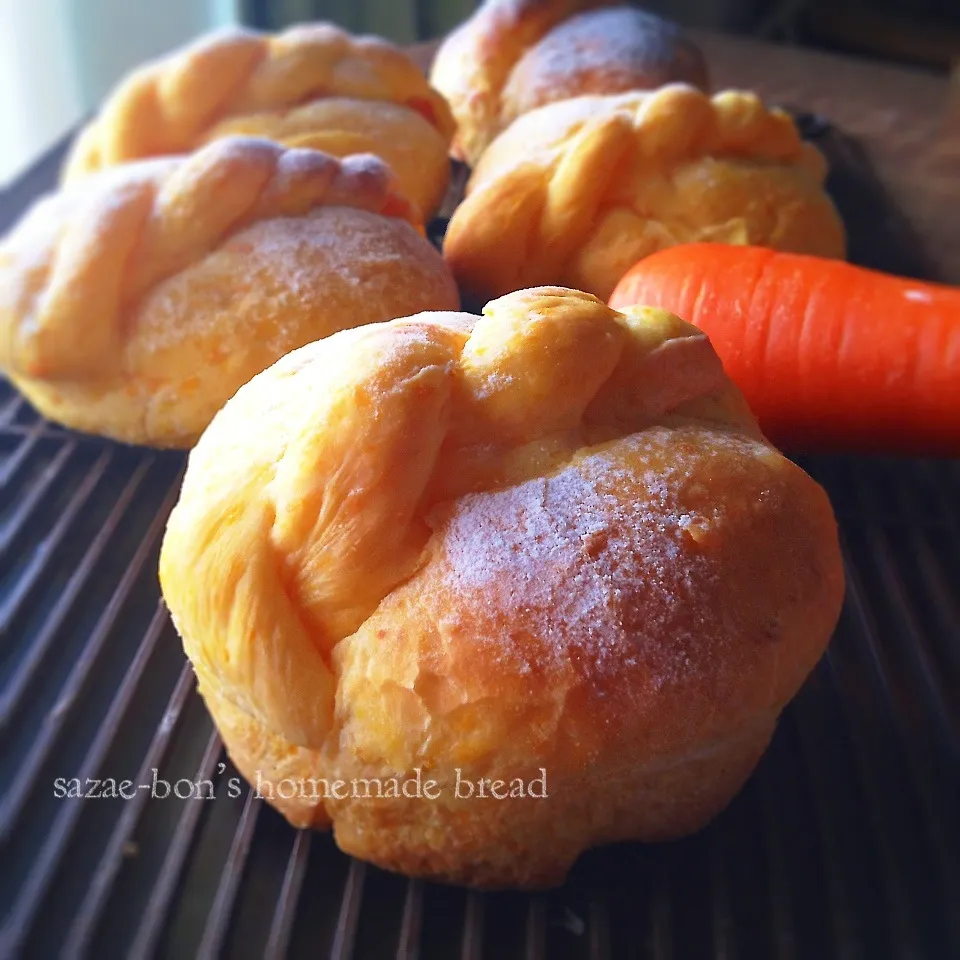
{"points": [[58, 58]]}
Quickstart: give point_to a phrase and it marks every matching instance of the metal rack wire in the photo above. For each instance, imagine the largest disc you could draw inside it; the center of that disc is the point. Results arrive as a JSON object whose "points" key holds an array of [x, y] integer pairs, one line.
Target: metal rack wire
{"points": [[845, 843]]}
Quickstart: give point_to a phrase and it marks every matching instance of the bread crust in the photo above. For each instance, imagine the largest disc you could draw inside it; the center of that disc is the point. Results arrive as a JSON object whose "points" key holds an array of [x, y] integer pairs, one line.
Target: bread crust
{"points": [[137, 301], [578, 191], [514, 55], [309, 86], [547, 541]]}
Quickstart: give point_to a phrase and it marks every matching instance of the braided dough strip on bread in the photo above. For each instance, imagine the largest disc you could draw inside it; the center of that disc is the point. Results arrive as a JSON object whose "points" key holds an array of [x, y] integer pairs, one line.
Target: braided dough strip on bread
{"points": [[135, 303], [82, 259], [167, 106], [580, 190], [310, 86], [408, 414], [373, 529]]}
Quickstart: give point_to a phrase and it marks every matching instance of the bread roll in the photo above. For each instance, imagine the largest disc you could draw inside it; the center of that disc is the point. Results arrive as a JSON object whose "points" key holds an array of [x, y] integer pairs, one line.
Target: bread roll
{"points": [[514, 55], [577, 192], [135, 302], [546, 548], [310, 86]]}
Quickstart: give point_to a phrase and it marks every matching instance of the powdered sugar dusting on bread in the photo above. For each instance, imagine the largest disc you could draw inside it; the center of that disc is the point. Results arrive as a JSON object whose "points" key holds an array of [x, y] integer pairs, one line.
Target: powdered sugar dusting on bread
{"points": [[286, 282], [618, 40], [597, 564], [603, 51]]}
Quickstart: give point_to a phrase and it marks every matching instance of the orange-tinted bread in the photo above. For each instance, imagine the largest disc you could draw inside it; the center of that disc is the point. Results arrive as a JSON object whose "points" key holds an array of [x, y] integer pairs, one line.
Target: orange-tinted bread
{"points": [[576, 192], [547, 548], [309, 86], [137, 300]]}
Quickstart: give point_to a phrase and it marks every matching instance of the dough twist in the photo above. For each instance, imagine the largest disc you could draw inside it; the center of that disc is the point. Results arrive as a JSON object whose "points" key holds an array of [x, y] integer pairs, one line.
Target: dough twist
{"points": [[311, 86], [548, 537], [377, 425], [84, 258], [462, 404], [578, 191], [133, 304]]}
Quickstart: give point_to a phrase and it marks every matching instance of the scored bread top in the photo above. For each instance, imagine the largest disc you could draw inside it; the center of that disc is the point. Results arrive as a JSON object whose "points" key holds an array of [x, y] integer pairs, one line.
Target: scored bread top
{"points": [[81, 259], [170, 105]]}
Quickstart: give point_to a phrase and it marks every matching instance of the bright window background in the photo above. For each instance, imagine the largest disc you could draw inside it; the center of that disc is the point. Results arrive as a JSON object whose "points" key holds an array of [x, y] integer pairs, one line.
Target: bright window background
{"points": [[59, 57]]}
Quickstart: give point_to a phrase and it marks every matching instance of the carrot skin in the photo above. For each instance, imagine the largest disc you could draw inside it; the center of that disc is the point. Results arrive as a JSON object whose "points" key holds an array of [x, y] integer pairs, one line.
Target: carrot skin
{"points": [[830, 356]]}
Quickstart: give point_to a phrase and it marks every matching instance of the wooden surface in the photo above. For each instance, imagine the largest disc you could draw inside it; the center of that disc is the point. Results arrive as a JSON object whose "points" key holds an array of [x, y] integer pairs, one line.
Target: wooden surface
{"points": [[907, 121]]}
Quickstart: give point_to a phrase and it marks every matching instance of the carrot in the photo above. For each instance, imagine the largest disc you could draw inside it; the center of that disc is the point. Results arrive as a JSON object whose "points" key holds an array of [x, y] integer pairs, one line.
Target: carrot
{"points": [[829, 356]]}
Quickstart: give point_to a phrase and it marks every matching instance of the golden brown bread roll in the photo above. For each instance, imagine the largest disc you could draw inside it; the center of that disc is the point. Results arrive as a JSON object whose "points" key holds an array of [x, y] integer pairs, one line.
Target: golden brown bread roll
{"points": [[577, 192], [133, 304], [546, 548], [514, 55], [310, 86]]}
